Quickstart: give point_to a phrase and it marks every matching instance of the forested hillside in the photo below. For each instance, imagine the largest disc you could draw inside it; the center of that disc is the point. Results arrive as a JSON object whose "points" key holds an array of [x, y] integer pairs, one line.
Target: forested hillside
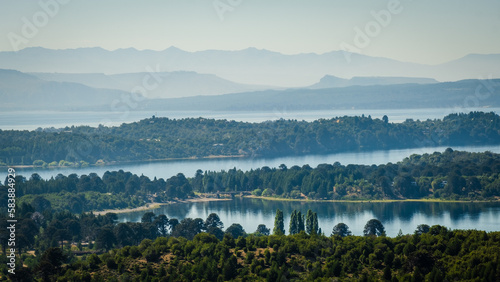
{"points": [[163, 249], [164, 138], [439, 255]]}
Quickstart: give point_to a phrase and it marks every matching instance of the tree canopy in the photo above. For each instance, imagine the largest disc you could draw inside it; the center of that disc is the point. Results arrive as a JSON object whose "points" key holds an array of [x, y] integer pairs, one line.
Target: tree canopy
{"points": [[158, 138]]}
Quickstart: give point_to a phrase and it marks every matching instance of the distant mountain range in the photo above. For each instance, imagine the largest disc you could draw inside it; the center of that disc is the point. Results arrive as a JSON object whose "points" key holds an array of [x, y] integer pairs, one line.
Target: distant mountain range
{"points": [[157, 85], [26, 92], [460, 95], [248, 66]]}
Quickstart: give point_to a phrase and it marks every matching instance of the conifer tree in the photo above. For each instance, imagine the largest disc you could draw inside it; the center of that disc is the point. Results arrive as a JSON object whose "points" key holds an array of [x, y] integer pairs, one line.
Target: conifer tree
{"points": [[300, 219], [293, 227], [312, 222], [279, 225]]}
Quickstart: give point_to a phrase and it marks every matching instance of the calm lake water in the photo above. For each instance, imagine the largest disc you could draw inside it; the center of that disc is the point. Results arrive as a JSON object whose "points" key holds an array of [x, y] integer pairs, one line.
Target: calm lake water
{"points": [[394, 216], [252, 212], [166, 169]]}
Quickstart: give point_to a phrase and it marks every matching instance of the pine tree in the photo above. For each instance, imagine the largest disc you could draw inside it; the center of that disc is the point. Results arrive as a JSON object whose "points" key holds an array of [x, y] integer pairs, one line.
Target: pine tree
{"points": [[293, 227], [400, 233], [341, 230], [300, 219], [312, 222], [279, 225], [315, 225], [374, 228]]}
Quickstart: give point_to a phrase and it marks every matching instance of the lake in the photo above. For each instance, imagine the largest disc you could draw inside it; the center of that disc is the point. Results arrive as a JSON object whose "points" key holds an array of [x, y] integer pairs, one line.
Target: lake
{"points": [[30, 120], [394, 215], [166, 169], [251, 212]]}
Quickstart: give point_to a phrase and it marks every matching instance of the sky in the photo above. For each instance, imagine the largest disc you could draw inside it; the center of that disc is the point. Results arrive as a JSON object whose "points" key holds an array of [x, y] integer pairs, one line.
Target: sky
{"points": [[426, 32]]}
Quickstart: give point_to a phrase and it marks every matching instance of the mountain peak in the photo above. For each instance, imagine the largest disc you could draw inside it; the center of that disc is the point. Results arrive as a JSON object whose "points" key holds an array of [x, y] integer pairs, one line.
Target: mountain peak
{"points": [[174, 49]]}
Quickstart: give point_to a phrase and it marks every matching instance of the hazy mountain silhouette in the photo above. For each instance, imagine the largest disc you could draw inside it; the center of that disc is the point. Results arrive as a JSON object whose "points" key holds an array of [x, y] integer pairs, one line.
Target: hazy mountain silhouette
{"points": [[460, 95], [248, 66], [159, 85], [20, 92]]}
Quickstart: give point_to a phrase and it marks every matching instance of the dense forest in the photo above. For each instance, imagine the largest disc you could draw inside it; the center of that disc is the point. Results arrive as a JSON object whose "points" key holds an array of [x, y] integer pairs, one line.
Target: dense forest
{"points": [[116, 189], [97, 248], [164, 138], [452, 175]]}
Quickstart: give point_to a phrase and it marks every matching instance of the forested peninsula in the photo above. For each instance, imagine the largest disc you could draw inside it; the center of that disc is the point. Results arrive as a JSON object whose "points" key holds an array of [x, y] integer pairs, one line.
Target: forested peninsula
{"points": [[451, 175], [163, 138]]}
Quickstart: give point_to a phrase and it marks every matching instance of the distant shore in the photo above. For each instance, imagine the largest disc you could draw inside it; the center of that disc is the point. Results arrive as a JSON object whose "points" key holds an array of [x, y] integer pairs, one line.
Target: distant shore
{"points": [[372, 201], [151, 206], [132, 161]]}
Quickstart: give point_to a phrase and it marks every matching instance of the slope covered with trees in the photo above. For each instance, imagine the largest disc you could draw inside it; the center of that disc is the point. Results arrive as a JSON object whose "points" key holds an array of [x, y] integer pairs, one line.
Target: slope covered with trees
{"points": [[163, 138], [162, 249]]}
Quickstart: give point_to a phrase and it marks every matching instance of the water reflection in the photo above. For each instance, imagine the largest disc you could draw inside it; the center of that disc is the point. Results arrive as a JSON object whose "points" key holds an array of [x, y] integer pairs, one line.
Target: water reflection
{"points": [[166, 169], [395, 215]]}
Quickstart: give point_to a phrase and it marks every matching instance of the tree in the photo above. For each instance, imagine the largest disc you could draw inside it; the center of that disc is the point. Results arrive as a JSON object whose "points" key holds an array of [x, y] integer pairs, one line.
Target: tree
{"points": [[188, 228], [296, 222], [161, 223], [148, 217], [422, 228], [217, 232], [279, 225], [198, 181], [262, 229], [301, 224], [293, 226], [374, 228], [50, 262], [173, 222], [400, 233], [105, 239], [236, 230], [341, 230], [385, 119], [312, 222], [124, 234], [213, 220]]}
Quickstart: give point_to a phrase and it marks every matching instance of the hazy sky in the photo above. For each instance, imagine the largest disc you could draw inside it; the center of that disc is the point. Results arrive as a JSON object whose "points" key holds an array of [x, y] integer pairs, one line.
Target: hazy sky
{"points": [[429, 32]]}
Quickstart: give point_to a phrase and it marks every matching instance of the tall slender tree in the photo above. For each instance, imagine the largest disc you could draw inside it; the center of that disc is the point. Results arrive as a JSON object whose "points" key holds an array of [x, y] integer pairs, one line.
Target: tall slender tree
{"points": [[279, 225], [312, 222], [300, 219], [293, 227]]}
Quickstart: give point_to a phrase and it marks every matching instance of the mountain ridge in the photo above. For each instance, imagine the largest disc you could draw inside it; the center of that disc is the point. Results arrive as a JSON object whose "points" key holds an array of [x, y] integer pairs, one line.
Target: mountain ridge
{"points": [[162, 84], [16, 88], [247, 66]]}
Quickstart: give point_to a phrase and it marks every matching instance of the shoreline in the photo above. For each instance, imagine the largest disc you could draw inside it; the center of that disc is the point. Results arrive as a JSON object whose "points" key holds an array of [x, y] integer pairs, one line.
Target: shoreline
{"points": [[240, 156], [371, 201], [112, 163], [151, 206]]}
